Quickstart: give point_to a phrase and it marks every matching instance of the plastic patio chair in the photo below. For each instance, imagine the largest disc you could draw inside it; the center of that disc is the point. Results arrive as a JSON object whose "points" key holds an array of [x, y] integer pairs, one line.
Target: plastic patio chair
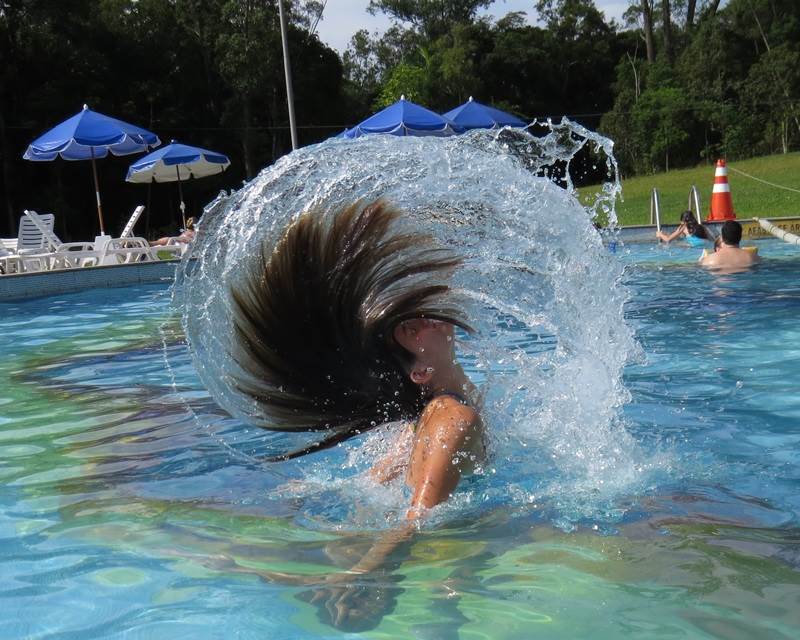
{"points": [[174, 248], [127, 248], [127, 251], [30, 238], [61, 255], [9, 261], [128, 228]]}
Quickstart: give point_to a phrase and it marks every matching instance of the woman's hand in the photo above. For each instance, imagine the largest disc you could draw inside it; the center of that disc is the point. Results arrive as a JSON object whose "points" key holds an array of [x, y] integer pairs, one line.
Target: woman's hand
{"points": [[352, 601], [663, 237]]}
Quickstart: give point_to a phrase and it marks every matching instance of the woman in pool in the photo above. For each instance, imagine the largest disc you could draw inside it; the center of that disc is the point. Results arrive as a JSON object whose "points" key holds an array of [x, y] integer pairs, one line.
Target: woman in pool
{"points": [[344, 325], [690, 229]]}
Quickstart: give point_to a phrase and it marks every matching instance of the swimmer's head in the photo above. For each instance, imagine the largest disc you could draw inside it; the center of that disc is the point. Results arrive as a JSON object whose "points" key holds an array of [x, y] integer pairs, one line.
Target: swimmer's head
{"points": [[319, 321], [190, 222], [425, 347], [731, 233]]}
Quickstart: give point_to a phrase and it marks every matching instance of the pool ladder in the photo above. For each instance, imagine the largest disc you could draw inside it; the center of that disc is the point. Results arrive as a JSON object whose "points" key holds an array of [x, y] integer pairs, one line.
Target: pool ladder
{"points": [[655, 210], [655, 206], [694, 204]]}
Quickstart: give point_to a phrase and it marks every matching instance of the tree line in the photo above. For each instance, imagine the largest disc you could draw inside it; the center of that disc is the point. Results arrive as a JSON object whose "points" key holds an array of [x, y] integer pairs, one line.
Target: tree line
{"points": [[677, 83]]}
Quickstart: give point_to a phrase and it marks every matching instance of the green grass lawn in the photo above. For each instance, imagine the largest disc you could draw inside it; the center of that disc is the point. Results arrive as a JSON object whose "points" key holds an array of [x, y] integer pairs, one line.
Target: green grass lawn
{"points": [[750, 197]]}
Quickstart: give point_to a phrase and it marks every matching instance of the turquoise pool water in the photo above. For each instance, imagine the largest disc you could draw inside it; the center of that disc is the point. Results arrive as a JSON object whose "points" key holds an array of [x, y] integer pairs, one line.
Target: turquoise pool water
{"points": [[130, 506]]}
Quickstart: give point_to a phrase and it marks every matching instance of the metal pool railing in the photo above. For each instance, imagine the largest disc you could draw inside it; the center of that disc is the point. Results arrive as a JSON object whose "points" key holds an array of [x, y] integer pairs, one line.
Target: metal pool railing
{"points": [[694, 204], [655, 209]]}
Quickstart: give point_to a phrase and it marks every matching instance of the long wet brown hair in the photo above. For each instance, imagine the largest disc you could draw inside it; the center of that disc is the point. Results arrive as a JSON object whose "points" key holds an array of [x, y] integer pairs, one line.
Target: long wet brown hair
{"points": [[315, 316]]}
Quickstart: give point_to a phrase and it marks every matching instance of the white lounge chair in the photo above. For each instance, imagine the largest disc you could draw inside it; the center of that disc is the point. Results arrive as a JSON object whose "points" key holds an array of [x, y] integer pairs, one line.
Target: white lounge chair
{"points": [[128, 228], [61, 255], [25, 252], [9, 261], [173, 247], [30, 238], [127, 250]]}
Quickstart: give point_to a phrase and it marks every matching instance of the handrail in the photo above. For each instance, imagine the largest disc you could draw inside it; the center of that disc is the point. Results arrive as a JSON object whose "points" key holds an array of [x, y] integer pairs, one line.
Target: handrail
{"points": [[694, 204], [655, 209]]}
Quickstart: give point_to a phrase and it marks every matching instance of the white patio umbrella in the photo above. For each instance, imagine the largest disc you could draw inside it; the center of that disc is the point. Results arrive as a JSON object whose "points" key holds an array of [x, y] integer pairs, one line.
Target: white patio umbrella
{"points": [[177, 163]]}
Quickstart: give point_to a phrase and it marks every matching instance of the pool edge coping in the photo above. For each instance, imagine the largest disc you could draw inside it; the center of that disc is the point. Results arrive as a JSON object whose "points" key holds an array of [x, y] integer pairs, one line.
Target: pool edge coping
{"points": [[38, 284]]}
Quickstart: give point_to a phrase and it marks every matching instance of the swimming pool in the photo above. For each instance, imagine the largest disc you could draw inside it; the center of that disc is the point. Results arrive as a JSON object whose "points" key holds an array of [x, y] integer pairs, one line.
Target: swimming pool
{"points": [[131, 506]]}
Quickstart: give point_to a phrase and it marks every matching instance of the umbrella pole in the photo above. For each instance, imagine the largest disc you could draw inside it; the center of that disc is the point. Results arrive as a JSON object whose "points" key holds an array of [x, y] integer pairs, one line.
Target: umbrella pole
{"points": [[147, 215], [97, 193], [180, 193]]}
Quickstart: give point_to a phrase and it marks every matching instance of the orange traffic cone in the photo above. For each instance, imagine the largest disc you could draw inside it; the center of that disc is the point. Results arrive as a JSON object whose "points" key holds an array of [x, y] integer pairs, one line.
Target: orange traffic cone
{"points": [[721, 201]]}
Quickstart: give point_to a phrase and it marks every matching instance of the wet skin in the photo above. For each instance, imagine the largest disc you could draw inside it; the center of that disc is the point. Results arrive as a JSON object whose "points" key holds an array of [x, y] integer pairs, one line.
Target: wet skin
{"points": [[445, 443]]}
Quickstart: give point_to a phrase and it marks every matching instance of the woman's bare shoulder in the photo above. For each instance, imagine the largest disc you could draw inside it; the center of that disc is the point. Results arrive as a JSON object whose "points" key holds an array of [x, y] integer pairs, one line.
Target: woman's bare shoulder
{"points": [[448, 407]]}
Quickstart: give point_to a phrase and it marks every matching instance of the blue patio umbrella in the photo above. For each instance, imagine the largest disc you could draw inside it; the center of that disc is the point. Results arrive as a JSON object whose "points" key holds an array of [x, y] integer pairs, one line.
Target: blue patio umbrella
{"points": [[87, 136], [404, 118], [175, 163], [474, 115]]}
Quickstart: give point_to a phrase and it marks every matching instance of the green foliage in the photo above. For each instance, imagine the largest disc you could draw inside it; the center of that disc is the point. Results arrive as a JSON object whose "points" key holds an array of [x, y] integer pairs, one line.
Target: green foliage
{"points": [[734, 90], [662, 122], [405, 80], [430, 18], [210, 72], [207, 72], [369, 61]]}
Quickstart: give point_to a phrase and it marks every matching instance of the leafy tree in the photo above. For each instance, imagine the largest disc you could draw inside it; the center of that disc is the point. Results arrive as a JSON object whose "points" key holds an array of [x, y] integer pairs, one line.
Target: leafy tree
{"points": [[208, 72], [582, 49], [430, 18], [516, 71], [406, 80], [660, 116], [630, 147], [460, 58], [369, 59], [772, 89]]}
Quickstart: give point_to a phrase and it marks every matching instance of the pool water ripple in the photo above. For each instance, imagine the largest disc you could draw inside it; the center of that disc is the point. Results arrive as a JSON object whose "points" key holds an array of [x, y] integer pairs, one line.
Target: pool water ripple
{"points": [[126, 509]]}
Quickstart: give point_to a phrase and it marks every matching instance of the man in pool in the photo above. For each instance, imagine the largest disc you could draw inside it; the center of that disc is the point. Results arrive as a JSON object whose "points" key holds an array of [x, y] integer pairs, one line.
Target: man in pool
{"points": [[728, 256], [346, 324]]}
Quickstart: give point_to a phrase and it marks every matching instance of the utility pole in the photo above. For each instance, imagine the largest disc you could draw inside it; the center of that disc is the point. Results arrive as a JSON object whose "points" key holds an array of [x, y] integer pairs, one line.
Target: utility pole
{"points": [[287, 70]]}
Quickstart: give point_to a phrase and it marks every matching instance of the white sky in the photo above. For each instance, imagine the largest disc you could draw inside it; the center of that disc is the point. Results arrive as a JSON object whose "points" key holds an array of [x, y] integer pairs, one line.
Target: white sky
{"points": [[342, 18]]}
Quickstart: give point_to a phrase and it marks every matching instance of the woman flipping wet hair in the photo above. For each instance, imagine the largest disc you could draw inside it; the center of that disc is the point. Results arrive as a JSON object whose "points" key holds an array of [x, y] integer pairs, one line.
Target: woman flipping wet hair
{"points": [[347, 323]]}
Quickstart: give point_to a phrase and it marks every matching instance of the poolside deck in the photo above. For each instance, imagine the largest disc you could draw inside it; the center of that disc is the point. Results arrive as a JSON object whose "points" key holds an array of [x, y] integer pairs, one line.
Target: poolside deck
{"points": [[22, 286]]}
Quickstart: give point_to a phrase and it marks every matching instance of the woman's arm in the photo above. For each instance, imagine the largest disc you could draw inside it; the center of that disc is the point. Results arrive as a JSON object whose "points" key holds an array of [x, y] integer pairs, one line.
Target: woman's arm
{"points": [[447, 434], [395, 462], [675, 234]]}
